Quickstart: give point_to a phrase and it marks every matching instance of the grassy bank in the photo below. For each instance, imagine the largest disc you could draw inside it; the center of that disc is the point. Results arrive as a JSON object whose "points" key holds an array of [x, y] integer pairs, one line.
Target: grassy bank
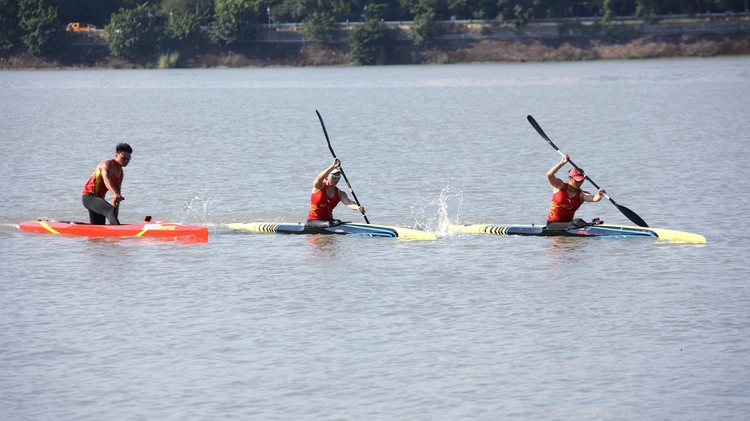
{"points": [[587, 49]]}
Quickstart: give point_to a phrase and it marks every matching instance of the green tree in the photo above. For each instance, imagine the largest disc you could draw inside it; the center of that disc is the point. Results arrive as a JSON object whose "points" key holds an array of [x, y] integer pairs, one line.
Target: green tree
{"points": [[376, 11], [235, 22], [425, 28], [442, 9], [41, 32], [645, 9], [292, 10], [480, 9], [344, 10], [132, 32], [8, 24], [185, 7], [517, 11], [608, 11], [418, 6], [371, 43], [319, 26], [184, 28], [95, 12]]}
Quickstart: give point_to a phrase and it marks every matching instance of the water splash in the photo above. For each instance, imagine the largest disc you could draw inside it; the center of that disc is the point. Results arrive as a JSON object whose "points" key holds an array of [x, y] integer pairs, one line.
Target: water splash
{"points": [[433, 214], [197, 211]]}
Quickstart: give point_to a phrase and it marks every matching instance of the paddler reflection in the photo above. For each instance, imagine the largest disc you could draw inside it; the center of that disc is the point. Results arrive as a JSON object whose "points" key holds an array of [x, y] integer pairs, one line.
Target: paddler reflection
{"points": [[325, 246]]}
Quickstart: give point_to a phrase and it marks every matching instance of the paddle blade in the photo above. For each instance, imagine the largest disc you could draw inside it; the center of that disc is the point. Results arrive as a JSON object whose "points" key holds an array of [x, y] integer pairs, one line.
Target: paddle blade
{"points": [[539, 130], [325, 132], [632, 216]]}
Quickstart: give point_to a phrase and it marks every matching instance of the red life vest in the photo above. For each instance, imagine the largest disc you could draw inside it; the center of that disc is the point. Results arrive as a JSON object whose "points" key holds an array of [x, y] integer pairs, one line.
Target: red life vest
{"points": [[96, 185], [321, 206], [564, 207]]}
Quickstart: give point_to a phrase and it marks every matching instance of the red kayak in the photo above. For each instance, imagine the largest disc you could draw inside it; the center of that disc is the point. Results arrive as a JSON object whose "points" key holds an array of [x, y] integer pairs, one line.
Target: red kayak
{"points": [[151, 229]]}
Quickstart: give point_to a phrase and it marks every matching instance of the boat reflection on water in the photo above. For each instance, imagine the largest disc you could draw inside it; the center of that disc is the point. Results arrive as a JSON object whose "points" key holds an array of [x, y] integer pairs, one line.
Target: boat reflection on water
{"points": [[324, 246], [566, 251]]}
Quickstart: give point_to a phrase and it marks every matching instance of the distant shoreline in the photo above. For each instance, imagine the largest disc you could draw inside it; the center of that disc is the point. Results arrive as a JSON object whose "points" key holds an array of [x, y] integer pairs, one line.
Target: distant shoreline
{"points": [[462, 42]]}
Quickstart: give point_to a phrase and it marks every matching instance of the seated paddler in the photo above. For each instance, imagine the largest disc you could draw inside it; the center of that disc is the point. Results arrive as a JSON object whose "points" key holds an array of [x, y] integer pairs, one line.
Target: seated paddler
{"points": [[325, 196], [568, 197]]}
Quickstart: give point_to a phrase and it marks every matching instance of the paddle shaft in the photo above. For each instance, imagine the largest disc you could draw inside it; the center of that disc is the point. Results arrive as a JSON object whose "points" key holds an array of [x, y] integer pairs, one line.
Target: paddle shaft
{"points": [[354, 195], [625, 211]]}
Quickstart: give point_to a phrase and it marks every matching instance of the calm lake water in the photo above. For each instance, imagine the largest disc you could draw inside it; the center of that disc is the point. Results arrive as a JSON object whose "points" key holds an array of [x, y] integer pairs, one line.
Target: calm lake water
{"points": [[253, 326]]}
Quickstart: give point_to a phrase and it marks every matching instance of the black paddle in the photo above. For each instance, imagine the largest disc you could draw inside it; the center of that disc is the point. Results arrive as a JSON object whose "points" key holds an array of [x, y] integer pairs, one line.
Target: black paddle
{"points": [[341, 169], [625, 211]]}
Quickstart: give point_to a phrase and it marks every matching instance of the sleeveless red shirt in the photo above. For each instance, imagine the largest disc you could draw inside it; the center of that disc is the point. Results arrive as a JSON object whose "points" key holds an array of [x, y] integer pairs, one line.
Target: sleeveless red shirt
{"points": [[564, 207], [96, 185], [321, 206]]}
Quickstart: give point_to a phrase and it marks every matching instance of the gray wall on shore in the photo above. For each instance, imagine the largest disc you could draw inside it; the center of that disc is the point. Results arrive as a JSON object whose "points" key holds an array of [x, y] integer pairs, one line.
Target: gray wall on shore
{"points": [[542, 29], [495, 30]]}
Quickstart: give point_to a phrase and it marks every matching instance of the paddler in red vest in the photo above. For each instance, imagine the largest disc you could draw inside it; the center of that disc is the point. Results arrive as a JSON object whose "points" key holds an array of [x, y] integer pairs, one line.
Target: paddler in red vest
{"points": [[325, 196], [107, 176], [568, 197]]}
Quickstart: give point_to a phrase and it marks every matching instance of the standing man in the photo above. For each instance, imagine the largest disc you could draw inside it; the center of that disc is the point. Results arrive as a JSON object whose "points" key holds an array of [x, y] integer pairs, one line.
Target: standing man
{"points": [[107, 176], [568, 197], [325, 196]]}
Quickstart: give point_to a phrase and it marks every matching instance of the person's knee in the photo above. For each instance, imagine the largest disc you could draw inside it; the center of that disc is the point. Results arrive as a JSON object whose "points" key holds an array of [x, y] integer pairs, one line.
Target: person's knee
{"points": [[112, 216], [322, 223]]}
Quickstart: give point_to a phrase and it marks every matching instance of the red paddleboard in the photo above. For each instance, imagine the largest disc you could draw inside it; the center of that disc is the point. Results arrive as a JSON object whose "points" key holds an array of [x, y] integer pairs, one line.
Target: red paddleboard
{"points": [[151, 229]]}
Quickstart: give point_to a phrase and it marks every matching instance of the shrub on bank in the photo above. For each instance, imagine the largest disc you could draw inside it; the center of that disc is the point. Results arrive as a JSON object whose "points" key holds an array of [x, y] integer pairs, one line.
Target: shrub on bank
{"points": [[168, 61]]}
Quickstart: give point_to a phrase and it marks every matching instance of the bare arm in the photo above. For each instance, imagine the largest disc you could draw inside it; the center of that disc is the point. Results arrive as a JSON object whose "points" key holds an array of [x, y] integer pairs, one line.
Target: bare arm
{"points": [[350, 203], [588, 197], [318, 183], [553, 180], [106, 169]]}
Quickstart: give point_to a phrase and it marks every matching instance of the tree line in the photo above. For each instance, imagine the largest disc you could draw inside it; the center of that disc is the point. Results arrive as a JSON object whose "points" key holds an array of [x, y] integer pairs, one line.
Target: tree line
{"points": [[134, 28]]}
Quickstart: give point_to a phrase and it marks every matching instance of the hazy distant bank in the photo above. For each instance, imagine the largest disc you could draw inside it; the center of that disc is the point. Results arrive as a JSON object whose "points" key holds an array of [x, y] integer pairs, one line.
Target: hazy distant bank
{"points": [[461, 42]]}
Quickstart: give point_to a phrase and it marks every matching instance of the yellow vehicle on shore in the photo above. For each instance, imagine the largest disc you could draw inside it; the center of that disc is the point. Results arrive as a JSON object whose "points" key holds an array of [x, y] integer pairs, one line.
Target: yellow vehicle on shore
{"points": [[79, 27]]}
